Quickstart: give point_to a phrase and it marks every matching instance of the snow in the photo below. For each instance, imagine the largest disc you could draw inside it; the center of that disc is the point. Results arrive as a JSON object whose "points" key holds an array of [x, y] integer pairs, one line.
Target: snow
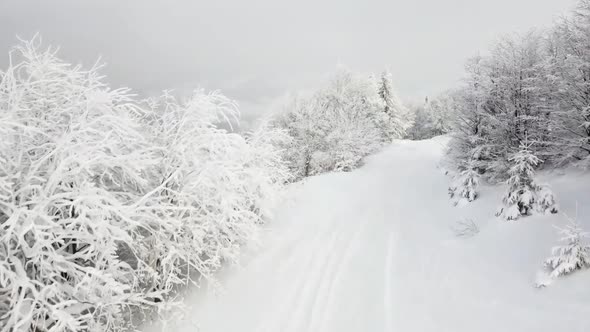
{"points": [[375, 250]]}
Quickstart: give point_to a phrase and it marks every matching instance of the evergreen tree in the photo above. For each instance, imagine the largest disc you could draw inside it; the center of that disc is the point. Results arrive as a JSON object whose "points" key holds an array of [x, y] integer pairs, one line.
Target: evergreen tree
{"points": [[523, 196], [393, 121], [572, 255], [465, 184]]}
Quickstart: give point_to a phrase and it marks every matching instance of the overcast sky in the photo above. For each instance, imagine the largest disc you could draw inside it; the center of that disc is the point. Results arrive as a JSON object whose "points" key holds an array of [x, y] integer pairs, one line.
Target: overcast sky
{"points": [[255, 51]]}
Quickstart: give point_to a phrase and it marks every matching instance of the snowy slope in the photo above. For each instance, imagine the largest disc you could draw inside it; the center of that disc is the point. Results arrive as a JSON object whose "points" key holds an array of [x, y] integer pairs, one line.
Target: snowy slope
{"points": [[372, 250]]}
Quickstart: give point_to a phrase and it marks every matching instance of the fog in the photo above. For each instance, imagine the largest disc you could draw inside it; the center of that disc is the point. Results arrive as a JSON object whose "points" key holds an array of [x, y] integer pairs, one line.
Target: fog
{"points": [[258, 50]]}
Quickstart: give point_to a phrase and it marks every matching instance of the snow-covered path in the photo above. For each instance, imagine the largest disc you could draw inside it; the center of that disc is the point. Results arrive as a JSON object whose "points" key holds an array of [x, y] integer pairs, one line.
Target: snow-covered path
{"points": [[371, 250]]}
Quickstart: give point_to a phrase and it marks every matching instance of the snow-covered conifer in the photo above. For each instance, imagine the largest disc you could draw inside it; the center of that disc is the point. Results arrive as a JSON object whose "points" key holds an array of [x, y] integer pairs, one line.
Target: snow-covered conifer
{"points": [[465, 185], [394, 122], [524, 196], [545, 200], [574, 252]]}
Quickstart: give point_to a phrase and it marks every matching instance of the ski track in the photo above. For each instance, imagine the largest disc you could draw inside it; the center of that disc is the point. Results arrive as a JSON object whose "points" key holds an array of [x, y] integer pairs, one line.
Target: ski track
{"points": [[371, 251], [387, 296]]}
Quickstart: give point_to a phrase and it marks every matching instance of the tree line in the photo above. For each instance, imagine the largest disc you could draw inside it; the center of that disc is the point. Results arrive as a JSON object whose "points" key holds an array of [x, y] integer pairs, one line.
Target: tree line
{"points": [[334, 128], [525, 105]]}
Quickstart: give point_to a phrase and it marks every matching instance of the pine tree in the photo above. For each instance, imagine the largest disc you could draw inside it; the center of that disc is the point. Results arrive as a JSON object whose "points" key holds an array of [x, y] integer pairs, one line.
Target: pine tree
{"points": [[573, 254], [420, 127], [394, 122], [524, 196], [466, 183], [545, 202]]}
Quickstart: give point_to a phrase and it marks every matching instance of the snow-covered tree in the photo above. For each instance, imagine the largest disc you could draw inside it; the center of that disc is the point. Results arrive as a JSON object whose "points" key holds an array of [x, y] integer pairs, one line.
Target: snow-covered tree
{"points": [[73, 163], [504, 98], [568, 87], [394, 122], [420, 128], [348, 142], [469, 137], [210, 186], [441, 110], [107, 205], [573, 254], [545, 200], [465, 184], [336, 127], [536, 84], [433, 118], [524, 196], [307, 128]]}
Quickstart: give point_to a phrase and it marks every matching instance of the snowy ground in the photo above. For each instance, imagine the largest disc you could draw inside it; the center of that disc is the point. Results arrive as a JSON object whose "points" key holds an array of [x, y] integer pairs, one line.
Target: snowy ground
{"points": [[373, 250]]}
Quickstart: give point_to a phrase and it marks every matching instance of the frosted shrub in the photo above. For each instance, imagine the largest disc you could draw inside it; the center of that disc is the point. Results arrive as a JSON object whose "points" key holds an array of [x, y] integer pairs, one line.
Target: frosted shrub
{"points": [[211, 187], [339, 125], [71, 165], [573, 254], [347, 145], [465, 228], [269, 169], [108, 207]]}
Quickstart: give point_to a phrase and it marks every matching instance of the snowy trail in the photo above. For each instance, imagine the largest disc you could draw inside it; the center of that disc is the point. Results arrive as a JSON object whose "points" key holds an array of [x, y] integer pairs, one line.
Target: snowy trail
{"points": [[371, 250]]}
